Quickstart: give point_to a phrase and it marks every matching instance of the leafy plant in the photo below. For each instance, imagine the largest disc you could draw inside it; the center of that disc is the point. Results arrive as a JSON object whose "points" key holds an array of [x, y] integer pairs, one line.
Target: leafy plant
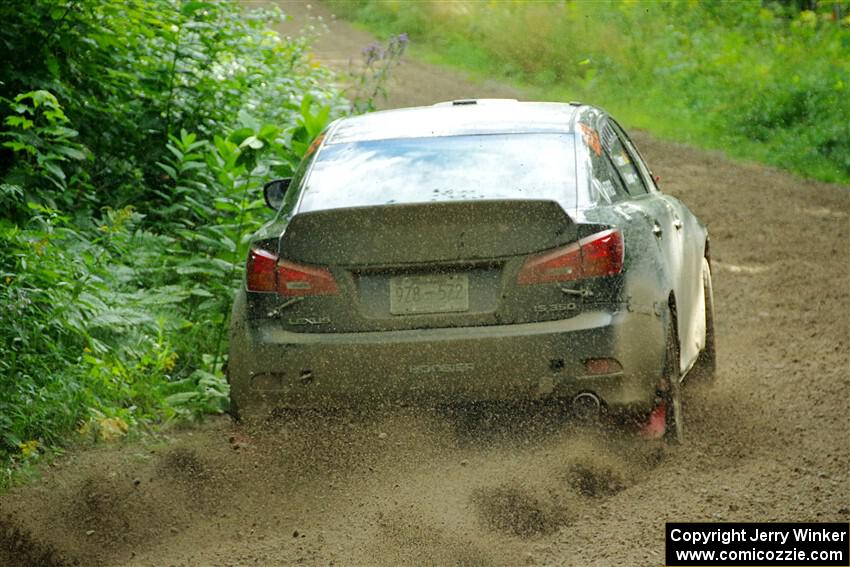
{"points": [[368, 80], [135, 139], [44, 146]]}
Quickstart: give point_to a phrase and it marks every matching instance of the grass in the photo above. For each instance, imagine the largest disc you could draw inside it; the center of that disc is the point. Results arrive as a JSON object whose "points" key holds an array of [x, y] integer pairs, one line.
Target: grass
{"points": [[760, 81]]}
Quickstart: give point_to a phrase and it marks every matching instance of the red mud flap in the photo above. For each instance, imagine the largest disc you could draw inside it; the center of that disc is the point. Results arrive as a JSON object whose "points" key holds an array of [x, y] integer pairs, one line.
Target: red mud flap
{"points": [[656, 423]]}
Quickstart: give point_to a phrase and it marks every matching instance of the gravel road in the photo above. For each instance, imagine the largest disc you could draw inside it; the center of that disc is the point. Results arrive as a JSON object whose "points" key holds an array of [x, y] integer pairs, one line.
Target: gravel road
{"points": [[769, 440]]}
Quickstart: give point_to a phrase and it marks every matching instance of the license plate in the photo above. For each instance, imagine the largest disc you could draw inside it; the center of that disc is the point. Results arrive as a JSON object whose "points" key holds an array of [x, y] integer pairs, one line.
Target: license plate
{"points": [[429, 294]]}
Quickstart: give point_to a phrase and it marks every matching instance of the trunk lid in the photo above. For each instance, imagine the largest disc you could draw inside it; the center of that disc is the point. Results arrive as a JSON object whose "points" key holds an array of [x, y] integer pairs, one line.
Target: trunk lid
{"points": [[423, 233], [424, 265]]}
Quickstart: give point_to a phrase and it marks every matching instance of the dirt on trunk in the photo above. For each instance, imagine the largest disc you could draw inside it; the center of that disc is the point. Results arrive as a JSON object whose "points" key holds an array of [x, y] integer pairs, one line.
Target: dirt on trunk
{"points": [[768, 441]]}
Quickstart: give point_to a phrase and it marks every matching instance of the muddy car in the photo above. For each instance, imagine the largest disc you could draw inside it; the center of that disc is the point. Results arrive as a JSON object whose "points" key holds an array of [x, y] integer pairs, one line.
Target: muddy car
{"points": [[475, 250]]}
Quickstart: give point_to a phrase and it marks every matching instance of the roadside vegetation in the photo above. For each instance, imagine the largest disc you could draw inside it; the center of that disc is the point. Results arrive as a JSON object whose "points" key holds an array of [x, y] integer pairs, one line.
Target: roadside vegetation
{"points": [[758, 79], [134, 139]]}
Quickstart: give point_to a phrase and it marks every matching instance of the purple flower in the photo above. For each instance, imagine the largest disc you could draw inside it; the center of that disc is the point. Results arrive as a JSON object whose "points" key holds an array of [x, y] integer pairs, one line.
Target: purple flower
{"points": [[371, 49], [372, 53]]}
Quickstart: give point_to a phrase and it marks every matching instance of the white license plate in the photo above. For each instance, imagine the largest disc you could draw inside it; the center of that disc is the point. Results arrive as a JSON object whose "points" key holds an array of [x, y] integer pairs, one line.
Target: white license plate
{"points": [[429, 294]]}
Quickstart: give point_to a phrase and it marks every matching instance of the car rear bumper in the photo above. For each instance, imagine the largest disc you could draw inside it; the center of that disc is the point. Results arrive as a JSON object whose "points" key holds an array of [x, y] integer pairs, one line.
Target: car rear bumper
{"points": [[270, 367]]}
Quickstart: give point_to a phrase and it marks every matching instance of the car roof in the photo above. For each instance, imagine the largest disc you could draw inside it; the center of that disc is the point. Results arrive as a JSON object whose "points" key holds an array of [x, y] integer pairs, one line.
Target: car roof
{"points": [[457, 118]]}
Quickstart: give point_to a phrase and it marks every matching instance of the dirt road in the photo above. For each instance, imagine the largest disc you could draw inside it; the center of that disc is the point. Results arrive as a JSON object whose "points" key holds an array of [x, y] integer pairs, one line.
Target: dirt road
{"points": [[770, 440]]}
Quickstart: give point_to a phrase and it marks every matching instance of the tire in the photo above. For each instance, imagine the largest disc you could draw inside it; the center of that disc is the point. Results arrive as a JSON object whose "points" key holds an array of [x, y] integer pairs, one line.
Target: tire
{"points": [[674, 431], [233, 411], [705, 367]]}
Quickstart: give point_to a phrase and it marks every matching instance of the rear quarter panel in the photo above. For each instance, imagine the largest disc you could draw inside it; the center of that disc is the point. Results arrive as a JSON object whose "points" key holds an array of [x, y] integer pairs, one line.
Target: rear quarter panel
{"points": [[690, 300]]}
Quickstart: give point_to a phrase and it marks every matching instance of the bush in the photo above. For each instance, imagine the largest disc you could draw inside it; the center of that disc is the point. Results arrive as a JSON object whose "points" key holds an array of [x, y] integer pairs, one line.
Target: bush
{"points": [[759, 79], [135, 138]]}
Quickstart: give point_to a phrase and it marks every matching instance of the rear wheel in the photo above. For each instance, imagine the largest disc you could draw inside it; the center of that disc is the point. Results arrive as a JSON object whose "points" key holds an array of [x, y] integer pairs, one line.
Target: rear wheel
{"points": [[249, 414], [672, 396], [706, 364]]}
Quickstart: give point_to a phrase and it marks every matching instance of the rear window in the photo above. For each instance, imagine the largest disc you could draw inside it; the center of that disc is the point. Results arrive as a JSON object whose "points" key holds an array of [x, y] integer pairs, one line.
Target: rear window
{"points": [[452, 168]]}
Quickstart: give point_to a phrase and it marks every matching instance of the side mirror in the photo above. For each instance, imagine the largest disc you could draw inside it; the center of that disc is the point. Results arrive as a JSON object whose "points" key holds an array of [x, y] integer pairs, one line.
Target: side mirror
{"points": [[273, 192]]}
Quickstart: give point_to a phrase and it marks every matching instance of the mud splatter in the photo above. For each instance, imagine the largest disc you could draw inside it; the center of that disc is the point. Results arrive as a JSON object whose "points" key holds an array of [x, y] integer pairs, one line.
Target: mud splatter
{"points": [[19, 548], [596, 479], [513, 510]]}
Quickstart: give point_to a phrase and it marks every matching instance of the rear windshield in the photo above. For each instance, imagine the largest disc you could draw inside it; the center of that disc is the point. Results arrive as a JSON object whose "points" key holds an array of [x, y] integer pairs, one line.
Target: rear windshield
{"points": [[452, 168]]}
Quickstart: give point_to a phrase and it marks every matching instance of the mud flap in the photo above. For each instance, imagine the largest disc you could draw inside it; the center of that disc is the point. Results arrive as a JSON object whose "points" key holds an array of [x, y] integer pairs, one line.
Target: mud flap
{"points": [[656, 422]]}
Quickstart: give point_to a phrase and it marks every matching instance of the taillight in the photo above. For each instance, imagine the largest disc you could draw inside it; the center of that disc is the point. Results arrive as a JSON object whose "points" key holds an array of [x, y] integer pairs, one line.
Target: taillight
{"points": [[260, 274], [295, 279], [602, 254], [602, 366], [597, 255], [266, 272]]}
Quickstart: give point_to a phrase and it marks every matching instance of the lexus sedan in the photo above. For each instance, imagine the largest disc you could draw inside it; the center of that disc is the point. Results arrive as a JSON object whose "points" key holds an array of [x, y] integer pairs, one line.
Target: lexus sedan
{"points": [[472, 251]]}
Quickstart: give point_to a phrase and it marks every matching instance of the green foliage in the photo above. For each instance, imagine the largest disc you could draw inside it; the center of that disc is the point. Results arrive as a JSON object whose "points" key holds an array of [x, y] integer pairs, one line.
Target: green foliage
{"points": [[135, 139], [75, 334], [37, 132], [759, 79], [131, 74]]}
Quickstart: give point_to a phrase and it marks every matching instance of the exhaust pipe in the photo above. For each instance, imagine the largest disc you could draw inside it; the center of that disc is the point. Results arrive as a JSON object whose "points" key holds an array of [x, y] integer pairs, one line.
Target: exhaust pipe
{"points": [[586, 406]]}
